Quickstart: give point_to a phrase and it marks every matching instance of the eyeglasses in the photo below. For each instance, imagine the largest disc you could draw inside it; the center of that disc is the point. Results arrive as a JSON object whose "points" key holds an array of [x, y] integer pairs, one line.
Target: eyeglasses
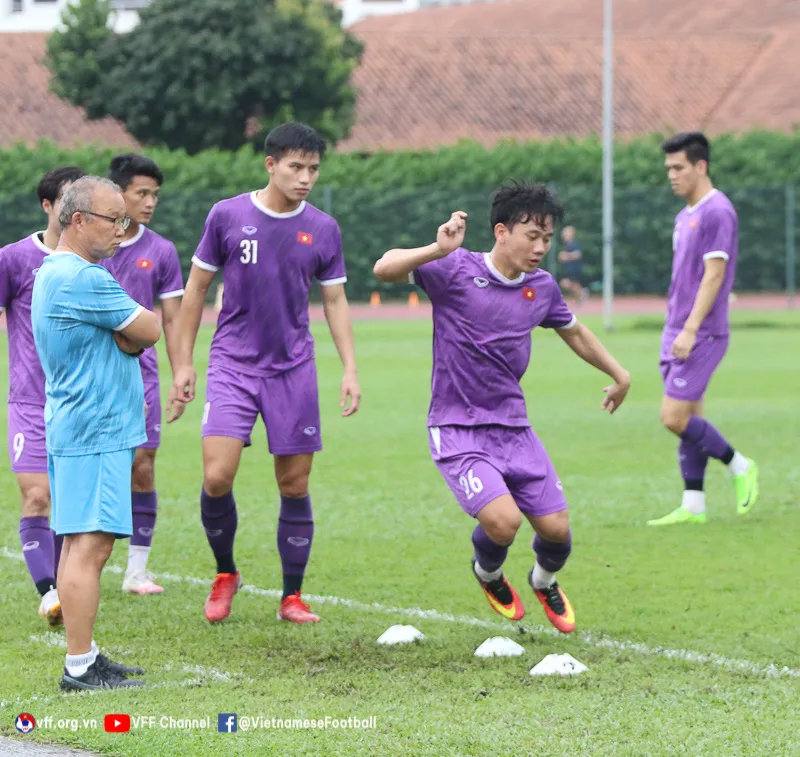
{"points": [[122, 222]]}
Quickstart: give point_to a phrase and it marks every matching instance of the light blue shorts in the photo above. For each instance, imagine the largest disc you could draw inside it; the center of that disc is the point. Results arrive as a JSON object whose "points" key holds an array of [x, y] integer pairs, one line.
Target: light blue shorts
{"points": [[91, 493]]}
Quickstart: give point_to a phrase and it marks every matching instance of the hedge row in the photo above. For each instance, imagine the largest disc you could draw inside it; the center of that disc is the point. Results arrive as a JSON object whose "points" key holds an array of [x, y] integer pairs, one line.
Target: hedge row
{"points": [[389, 205], [756, 158]]}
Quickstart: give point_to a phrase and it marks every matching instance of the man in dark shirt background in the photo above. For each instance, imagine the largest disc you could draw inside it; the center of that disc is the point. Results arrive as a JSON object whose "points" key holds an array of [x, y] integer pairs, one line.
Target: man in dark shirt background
{"points": [[571, 260]]}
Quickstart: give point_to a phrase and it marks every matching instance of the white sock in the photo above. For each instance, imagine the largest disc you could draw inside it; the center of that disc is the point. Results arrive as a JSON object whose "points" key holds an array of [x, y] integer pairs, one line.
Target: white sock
{"points": [[694, 501], [485, 575], [137, 559], [739, 465], [78, 664], [95, 648], [542, 578]]}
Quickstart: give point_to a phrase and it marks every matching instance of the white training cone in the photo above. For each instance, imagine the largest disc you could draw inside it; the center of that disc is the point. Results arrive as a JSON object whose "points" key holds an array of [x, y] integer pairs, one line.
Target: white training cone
{"points": [[558, 664], [400, 635], [499, 646]]}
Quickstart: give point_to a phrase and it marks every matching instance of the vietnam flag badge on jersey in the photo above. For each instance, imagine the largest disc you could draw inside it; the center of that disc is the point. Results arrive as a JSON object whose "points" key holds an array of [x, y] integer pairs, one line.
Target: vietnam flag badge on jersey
{"points": [[144, 263], [528, 294], [304, 237]]}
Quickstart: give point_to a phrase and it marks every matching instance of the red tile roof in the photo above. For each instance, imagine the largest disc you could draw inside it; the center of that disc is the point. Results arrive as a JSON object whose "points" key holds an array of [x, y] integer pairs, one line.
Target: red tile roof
{"points": [[30, 112], [512, 68], [518, 68], [423, 90]]}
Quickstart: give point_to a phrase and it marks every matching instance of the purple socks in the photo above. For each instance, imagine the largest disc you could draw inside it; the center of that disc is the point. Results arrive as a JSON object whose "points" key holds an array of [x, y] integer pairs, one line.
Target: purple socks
{"points": [[551, 555], [38, 549], [219, 521], [295, 535], [145, 505], [702, 433], [490, 556]]}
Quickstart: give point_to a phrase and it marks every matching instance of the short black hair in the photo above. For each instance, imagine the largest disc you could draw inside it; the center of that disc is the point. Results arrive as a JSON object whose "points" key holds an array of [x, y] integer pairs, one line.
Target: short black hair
{"points": [[53, 182], [694, 143], [124, 168], [520, 202], [293, 137]]}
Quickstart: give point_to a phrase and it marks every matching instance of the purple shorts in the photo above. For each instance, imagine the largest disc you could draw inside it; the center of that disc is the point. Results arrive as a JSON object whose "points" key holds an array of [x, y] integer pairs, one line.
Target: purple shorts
{"points": [[688, 379], [152, 396], [481, 463], [288, 403], [26, 438]]}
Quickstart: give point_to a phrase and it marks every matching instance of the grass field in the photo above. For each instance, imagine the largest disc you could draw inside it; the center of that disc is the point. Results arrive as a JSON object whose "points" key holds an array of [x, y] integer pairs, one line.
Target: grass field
{"points": [[679, 627]]}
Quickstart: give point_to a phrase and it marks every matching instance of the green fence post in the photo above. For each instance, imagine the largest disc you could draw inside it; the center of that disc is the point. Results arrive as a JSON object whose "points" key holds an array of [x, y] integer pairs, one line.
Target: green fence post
{"points": [[327, 200], [791, 250]]}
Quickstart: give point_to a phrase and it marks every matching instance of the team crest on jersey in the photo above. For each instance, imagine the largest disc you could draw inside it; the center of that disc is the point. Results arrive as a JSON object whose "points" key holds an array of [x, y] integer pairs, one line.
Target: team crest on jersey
{"points": [[304, 237], [528, 294], [144, 263], [249, 230], [479, 281]]}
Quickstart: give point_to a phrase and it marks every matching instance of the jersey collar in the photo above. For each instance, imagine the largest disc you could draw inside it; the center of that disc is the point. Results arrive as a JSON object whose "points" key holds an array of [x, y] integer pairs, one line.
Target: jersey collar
{"points": [[487, 257], [39, 243], [134, 239], [702, 201], [264, 209]]}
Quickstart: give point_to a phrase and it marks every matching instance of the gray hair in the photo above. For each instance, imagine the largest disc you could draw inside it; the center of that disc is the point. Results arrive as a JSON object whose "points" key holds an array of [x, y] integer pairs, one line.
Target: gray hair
{"points": [[78, 196]]}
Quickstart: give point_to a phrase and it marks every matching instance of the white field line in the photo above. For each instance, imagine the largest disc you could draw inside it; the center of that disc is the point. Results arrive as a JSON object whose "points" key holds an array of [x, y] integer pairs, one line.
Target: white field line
{"points": [[588, 638], [200, 675]]}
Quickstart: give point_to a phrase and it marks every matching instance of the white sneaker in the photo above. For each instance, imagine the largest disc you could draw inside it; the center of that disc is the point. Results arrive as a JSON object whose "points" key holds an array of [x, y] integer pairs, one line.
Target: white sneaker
{"points": [[141, 582], [50, 608]]}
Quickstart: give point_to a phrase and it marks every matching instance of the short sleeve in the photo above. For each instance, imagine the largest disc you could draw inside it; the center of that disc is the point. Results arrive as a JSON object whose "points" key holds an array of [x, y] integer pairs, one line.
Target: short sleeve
{"points": [[170, 278], [6, 283], [717, 234], [558, 315], [209, 254], [98, 299], [434, 277], [331, 269]]}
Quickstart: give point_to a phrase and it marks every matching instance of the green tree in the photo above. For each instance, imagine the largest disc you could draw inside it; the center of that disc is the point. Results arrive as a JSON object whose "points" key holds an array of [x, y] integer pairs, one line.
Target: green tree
{"points": [[73, 55], [210, 73]]}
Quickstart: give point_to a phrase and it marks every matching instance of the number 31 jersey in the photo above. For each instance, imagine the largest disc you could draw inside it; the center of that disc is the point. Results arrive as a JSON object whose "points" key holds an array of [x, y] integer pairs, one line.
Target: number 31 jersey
{"points": [[268, 261]]}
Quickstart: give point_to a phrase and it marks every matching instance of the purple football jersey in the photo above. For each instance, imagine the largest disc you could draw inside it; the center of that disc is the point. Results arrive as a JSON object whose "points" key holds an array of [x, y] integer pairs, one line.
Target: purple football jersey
{"points": [[482, 323], [147, 266], [268, 261], [19, 263], [710, 229]]}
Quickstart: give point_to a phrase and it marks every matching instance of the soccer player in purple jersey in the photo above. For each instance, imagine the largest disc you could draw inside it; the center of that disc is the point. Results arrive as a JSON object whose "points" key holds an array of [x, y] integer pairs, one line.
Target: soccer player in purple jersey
{"points": [[269, 244], [147, 266], [485, 306], [705, 246], [19, 264]]}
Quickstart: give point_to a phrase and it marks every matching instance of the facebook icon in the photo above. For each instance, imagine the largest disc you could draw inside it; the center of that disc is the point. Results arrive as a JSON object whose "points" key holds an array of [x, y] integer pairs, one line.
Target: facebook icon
{"points": [[226, 722]]}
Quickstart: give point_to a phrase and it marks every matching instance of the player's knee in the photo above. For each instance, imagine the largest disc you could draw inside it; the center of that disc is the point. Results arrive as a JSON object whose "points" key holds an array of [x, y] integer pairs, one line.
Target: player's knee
{"points": [[36, 502], [502, 527], [674, 420], [218, 480], [143, 477], [293, 484], [555, 530]]}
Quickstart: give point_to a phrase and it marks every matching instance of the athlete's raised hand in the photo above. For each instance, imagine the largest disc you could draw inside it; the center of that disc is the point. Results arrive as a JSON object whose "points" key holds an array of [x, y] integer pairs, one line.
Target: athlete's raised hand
{"points": [[450, 235]]}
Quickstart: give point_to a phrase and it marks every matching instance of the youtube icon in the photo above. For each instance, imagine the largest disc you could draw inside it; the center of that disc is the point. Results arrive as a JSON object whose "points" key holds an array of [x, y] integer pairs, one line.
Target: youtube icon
{"points": [[117, 723]]}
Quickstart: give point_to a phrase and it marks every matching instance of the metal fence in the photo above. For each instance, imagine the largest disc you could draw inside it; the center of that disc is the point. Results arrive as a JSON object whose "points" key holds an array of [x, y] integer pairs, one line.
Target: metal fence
{"points": [[374, 220]]}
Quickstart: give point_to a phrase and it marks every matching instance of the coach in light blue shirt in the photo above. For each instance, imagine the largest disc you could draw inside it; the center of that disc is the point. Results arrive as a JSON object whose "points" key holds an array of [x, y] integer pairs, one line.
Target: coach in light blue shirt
{"points": [[88, 332]]}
